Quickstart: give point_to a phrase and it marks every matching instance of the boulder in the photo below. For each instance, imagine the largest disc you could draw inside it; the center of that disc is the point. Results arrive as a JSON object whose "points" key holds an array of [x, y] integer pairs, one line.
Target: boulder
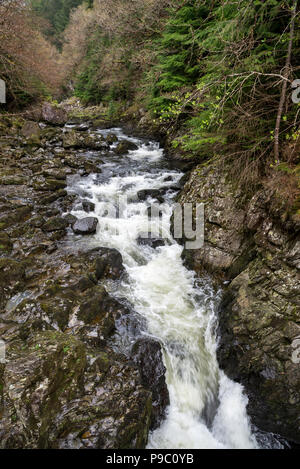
{"points": [[70, 397], [31, 131], [153, 193], [88, 206], [55, 224], [109, 263], [146, 239], [53, 114], [85, 226], [124, 147], [147, 355]]}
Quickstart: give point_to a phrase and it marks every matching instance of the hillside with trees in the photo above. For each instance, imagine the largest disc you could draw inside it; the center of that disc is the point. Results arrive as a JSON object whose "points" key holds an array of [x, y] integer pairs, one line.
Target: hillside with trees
{"points": [[217, 75]]}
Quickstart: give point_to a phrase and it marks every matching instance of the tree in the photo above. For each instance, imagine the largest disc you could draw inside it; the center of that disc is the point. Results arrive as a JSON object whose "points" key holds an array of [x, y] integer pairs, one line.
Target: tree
{"points": [[28, 63]]}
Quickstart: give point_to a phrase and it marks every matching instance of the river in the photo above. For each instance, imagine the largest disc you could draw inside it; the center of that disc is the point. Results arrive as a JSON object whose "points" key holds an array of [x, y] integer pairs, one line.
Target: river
{"points": [[207, 409]]}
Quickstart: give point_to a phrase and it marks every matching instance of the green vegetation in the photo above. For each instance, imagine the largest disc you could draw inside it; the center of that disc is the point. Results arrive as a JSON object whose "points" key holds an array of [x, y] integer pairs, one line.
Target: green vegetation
{"points": [[215, 76], [57, 13]]}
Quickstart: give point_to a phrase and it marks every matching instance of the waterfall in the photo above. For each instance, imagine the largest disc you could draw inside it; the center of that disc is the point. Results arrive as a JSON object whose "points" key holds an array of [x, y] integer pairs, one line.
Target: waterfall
{"points": [[207, 409]]}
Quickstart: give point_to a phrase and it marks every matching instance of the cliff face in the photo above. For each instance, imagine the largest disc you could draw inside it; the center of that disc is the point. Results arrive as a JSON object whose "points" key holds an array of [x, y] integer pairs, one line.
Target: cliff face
{"points": [[255, 248]]}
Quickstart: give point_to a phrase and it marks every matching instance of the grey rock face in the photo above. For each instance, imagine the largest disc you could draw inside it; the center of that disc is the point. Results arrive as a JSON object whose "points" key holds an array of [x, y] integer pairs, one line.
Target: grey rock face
{"points": [[53, 115], [85, 226], [255, 247]]}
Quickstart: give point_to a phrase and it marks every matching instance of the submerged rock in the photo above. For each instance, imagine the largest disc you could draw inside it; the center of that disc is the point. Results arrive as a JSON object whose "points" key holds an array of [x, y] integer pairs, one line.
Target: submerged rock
{"points": [[153, 193], [146, 239], [85, 226]]}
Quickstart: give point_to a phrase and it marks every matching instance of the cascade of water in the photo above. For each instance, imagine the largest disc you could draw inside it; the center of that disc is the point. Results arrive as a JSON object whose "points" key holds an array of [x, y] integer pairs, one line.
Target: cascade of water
{"points": [[207, 410]]}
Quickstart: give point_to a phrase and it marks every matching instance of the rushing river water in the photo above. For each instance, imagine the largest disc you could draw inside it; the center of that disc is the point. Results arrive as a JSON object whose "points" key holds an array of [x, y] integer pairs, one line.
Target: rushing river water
{"points": [[207, 410]]}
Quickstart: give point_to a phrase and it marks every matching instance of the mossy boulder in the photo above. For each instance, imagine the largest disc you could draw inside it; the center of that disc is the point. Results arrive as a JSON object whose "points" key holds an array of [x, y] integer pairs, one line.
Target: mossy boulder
{"points": [[55, 224], [124, 147]]}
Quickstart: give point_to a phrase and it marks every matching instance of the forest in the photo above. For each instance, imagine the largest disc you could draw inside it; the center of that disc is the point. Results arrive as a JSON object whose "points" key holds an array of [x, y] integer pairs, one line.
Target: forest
{"points": [[218, 75]]}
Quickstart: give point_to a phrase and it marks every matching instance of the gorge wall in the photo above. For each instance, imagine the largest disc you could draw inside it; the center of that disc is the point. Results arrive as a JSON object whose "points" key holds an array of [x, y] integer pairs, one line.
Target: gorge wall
{"points": [[253, 248]]}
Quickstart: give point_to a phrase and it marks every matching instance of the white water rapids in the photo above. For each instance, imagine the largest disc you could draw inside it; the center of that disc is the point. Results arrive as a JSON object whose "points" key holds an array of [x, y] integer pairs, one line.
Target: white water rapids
{"points": [[207, 410]]}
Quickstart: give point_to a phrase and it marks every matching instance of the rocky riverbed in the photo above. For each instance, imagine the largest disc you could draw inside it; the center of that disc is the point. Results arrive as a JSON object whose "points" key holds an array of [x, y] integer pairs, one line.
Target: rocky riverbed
{"points": [[67, 381], [62, 385]]}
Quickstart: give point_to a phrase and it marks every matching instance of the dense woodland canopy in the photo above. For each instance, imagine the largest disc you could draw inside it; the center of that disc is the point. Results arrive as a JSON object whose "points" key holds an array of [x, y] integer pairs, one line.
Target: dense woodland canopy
{"points": [[217, 74]]}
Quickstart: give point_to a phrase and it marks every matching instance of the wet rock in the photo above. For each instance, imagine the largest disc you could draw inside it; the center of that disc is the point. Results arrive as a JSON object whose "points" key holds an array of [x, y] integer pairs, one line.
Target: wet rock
{"points": [[124, 147], [109, 264], [111, 138], [85, 226], [146, 354], [48, 199], [73, 139], [251, 244], [153, 193], [51, 368], [113, 413], [98, 310], [88, 206], [71, 219], [53, 114], [146, 239], [55, 224], [6, 244]]}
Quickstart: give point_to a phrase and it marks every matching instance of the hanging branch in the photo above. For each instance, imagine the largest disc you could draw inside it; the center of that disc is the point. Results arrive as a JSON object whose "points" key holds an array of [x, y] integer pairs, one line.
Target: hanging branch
{"points": [[286, 72]]}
